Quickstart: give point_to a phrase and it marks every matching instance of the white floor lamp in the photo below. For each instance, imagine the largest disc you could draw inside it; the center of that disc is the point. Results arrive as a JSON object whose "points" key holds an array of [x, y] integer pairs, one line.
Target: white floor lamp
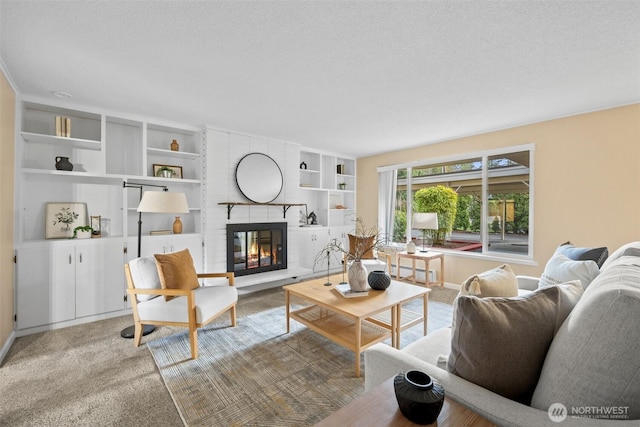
{"points": [[153, 202]]}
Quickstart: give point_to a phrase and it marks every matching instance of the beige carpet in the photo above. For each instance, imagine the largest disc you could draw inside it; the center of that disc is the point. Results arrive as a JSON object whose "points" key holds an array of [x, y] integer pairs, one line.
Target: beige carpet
{"points": [[87, 375], [257, 375]]}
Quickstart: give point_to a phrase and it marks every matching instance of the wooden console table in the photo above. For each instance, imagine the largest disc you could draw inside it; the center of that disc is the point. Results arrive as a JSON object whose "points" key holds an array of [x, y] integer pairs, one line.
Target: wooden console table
{"points": [[379, 408], [426, 257]]}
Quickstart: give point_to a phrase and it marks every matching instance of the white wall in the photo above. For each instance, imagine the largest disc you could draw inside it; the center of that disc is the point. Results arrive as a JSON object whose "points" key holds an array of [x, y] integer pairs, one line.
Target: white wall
{"points": [[224, 151]]}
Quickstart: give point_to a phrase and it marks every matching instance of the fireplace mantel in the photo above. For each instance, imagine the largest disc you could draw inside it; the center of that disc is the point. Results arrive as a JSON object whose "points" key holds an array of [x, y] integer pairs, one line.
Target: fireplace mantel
{"points": [[285, 206]]}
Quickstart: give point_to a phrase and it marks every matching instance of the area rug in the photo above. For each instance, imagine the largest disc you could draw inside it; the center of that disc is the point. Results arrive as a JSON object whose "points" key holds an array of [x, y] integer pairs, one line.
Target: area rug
{"points": [[255, 374]]}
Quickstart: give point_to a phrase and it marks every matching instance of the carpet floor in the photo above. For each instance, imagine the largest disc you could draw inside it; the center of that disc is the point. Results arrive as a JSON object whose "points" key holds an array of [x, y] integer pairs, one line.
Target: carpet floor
{"points": [[258, 375], [87, 375]]}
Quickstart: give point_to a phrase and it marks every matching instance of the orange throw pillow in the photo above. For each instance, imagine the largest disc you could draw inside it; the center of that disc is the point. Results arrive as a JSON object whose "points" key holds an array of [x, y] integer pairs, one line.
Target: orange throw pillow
{"points": [[363, 245], [176, 271]]}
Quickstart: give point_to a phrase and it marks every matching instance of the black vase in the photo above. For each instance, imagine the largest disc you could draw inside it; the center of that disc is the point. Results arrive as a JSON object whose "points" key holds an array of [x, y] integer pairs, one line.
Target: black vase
{"points": [[63, 164], [420, 397], [379, 280]]}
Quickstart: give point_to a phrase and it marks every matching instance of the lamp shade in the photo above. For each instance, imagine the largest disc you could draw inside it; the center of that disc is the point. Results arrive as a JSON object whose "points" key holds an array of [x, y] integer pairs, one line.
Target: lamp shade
{"points": [[425, 221], [163, 202]]}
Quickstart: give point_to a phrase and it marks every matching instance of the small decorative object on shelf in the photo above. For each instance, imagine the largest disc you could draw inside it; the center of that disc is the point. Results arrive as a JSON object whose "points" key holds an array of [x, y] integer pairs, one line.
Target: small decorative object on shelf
{"points": [[342, 185], [174, 145], [96, 227], [63, 126], [312, 219], [177, 226], [159, 232], [341, 168], [63, 164], [303, 165], [82, 232], [411, 247], [379, 280], [167, 171], [419, 397]]}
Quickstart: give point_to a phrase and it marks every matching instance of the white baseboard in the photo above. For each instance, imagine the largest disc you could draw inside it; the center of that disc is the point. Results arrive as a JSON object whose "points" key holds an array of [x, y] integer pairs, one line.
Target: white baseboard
{"points": [[74, 322], [6, 346]]}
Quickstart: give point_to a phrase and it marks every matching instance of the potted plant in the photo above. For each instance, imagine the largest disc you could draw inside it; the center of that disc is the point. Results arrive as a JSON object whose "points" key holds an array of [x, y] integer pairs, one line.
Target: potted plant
{"points": [[82, 232]]}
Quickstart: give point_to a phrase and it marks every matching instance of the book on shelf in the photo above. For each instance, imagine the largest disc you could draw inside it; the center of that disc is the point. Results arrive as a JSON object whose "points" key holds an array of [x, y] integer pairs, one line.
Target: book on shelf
{"points": [[159, 232], [63, 126], [345, 291]]}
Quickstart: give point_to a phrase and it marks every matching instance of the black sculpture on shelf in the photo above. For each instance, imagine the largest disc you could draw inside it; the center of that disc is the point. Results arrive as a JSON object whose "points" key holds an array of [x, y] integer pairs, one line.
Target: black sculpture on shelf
{"points": [[313, 218]]}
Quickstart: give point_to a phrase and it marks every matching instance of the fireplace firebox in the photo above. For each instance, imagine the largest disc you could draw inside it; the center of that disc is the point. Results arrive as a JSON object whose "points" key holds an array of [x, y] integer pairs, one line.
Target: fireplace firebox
{"points": [[256, 247]]}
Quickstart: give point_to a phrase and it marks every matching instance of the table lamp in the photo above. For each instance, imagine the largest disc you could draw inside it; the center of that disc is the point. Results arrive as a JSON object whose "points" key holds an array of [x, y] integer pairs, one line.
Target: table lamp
{"points": [[424, 221]]}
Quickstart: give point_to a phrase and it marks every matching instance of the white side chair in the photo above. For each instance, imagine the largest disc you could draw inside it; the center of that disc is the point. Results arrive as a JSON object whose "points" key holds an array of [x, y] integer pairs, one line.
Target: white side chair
{"points": [[189, 308]]}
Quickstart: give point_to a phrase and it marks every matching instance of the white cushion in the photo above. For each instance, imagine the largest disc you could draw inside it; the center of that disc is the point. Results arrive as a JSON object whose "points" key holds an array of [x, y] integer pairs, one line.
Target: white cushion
{"points": [[562, 269], [210, 300], [498, 282], [374, 264], [145, 276]]}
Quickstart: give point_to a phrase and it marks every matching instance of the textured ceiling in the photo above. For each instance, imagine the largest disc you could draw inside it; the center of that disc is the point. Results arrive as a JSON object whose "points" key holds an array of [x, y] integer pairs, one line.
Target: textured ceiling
{"points": [[353, 77]]}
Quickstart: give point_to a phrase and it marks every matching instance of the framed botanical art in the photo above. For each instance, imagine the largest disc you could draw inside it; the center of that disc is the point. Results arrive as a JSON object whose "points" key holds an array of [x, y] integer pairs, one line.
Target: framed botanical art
{"points": [[62, 218], [167, 171]]}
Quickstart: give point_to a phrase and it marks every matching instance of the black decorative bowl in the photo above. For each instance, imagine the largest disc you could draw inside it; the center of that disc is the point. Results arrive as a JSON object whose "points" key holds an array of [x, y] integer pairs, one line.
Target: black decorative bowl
{"points": [[420, 397], [379, 280]]}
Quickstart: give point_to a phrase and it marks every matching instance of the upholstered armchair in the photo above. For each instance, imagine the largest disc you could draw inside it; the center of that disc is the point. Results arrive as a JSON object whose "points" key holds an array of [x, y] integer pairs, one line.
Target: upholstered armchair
{"points": [[165, 290], [372, 258]]}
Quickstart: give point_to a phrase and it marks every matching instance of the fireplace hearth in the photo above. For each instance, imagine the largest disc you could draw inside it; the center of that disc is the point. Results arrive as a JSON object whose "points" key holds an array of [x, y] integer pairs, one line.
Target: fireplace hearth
{"points": [[256, 247]]}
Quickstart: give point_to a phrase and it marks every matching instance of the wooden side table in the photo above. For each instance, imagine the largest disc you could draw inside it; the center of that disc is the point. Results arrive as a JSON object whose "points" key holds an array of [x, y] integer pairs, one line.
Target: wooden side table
{"points": [[426, 257], [379, 407]]}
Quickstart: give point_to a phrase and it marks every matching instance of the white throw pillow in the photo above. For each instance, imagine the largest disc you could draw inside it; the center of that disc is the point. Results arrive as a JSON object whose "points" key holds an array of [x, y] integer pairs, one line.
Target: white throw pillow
{"points": [[561, 269], [144, 273]]}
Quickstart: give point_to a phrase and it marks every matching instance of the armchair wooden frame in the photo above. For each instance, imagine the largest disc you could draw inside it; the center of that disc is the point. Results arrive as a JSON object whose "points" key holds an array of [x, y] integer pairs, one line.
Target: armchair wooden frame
{"points": [[192, 324]]}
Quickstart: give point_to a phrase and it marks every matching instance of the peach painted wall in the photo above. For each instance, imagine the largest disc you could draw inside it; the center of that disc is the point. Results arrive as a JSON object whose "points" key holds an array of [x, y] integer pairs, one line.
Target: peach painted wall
{"points": [[586, 182], [7, 143]]}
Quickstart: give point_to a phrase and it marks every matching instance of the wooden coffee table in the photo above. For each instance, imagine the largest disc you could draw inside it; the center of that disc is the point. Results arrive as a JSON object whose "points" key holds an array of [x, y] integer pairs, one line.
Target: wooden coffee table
{"points": [[379, 407], [356, 323]]}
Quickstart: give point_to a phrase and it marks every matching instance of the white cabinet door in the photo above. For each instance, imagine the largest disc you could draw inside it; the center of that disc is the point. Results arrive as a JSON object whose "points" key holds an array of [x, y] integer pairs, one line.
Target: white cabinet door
{"points": [[341, 234], [152, 245], [45, 285], [313, 239], [100, 283]]}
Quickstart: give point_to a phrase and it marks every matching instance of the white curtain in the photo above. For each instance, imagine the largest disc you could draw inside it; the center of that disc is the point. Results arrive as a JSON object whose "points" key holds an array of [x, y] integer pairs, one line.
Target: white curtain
{"points": [[387, 185]]}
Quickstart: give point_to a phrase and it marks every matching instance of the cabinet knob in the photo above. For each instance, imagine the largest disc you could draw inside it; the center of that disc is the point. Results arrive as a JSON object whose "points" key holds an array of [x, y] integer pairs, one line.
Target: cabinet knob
{"points": [[80, 256], [70, 259]]}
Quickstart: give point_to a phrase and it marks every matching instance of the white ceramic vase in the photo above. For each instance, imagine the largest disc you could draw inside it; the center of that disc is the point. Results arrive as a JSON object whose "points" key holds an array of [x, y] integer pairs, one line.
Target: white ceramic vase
{"points": [[357, 276], [82, 234], [411, 247]]}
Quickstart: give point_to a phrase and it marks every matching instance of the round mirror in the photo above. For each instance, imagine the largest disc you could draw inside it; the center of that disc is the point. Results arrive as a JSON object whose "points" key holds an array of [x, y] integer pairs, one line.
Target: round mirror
{"points": [[259, 178]]}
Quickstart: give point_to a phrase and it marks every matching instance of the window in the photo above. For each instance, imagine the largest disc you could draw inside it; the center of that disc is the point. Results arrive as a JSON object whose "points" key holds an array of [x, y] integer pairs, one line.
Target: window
{"points": [[493, 191]]}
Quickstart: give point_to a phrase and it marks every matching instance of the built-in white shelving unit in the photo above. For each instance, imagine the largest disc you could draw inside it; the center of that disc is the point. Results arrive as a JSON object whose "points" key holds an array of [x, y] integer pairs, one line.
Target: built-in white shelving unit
{"points": [[327, 184], [106, 151]]}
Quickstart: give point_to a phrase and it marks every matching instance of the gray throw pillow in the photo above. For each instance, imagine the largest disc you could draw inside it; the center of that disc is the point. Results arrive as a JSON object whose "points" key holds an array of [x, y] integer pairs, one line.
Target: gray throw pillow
{"points": [[501, 343]]}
